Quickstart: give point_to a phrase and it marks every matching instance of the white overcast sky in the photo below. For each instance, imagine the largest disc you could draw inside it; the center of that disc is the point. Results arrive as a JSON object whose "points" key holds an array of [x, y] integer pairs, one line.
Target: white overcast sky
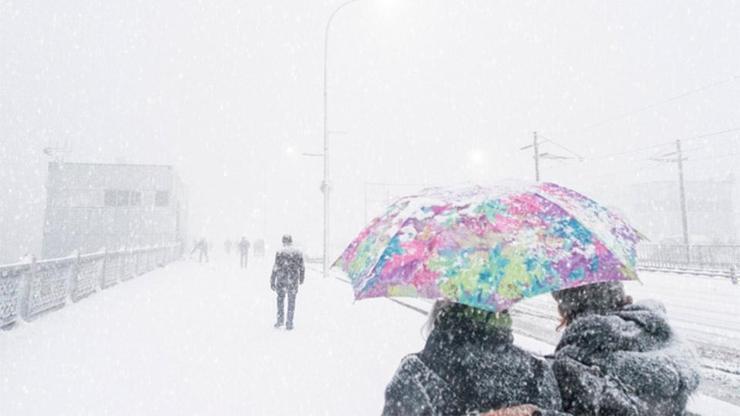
{"points": [[425, 92]]}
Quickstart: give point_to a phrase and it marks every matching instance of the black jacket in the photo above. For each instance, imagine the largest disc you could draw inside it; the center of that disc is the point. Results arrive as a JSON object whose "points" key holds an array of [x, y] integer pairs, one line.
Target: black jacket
{"points": [[244, 246], [465, 369], [627, 362], [288, 271]]}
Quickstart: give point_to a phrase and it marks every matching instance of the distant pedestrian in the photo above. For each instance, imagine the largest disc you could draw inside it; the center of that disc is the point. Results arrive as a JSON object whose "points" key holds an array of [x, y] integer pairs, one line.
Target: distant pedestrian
{"points": [[620, 358], [287, 274], [733, 274], [227, 246], [201, 246], [243, 252]]}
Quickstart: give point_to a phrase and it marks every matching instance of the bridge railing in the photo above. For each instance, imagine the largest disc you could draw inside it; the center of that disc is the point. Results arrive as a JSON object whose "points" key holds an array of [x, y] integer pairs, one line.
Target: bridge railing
{"points": [[715, 260], [30, 289]]}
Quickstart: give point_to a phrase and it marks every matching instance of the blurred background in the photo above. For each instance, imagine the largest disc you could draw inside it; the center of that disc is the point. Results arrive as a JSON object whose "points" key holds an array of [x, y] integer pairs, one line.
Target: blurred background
{"points": [[420, 93]]}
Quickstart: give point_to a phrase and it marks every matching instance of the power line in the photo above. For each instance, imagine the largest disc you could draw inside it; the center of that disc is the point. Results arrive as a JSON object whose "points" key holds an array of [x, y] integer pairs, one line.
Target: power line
{"points": [[630, 152], [549, 140], [665, 144], [713, 157], [704, 136], [717, 133], [661, 102], [633, 171], [705, 145], [626, 172], [536, 145], [682, 95]]}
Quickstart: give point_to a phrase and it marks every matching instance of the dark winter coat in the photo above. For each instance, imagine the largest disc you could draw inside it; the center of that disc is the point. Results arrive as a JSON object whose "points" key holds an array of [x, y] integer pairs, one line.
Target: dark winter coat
{"points": [[244, 246], [466, 369], [288, 271], [627, 362]]}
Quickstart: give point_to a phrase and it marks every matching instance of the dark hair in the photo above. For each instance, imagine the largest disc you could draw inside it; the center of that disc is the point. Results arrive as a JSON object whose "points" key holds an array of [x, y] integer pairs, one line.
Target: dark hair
{"points": [[446, 312], [595, 298], [287, 239]]}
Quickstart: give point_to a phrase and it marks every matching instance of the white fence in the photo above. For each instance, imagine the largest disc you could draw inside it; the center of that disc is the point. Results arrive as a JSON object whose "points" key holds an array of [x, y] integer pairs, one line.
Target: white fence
{"points": [[28, 290], [710, 260]]}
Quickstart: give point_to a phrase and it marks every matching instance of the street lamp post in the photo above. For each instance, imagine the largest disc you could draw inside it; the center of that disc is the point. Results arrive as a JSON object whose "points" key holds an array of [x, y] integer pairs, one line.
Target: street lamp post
{"points": [[325, 183]]}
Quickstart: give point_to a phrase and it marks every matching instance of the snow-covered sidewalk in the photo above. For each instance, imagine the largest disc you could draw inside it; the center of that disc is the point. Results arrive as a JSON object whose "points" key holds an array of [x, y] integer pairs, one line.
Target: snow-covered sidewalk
{"points": [[196, 339]]}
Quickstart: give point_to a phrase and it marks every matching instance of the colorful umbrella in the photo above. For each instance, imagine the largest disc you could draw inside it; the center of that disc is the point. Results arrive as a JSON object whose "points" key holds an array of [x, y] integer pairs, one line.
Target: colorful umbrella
{"points": [[489, 247]]}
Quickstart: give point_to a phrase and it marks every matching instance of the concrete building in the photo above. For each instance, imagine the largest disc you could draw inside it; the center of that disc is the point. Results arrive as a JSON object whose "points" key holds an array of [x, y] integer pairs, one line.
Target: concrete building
{"points": [[93, 206]]}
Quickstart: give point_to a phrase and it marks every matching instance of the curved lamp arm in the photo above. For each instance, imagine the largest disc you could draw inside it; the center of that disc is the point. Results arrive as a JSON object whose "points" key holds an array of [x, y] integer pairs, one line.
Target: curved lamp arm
{"points": [[326, 60], [325, 182]]}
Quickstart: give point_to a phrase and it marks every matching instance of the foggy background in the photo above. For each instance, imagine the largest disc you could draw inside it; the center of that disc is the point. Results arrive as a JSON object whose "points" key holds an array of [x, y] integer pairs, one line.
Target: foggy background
{"points": [[424, 93]]}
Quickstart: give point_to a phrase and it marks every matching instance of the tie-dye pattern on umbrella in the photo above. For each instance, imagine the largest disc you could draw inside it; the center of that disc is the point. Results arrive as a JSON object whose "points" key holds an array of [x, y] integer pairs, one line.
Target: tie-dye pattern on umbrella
{"points": [[490, 247]]}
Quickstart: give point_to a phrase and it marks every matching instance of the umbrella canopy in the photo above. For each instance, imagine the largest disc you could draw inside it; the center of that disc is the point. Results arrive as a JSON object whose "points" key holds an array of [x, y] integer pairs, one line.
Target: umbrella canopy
{"points": [[489, 247]]}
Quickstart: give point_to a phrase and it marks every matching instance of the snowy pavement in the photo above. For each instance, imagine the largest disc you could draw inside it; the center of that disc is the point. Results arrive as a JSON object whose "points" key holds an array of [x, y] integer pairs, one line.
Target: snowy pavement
{"points": [[194, 339]]}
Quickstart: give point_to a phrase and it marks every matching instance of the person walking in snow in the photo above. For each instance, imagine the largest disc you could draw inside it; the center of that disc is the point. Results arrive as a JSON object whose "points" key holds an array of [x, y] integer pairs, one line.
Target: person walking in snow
{"points": [[201, 246], [243, 252], [620, 358], [470, 365], [288, 273]]}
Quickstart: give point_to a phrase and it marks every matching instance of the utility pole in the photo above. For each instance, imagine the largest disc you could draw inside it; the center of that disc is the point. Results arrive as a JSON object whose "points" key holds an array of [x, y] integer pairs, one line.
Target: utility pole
{"points": [[681, 193], [536, 146], [682, 190]]}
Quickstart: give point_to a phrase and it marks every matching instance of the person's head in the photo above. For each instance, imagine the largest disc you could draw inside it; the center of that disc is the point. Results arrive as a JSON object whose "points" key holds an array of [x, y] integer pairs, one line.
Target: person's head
{"points": [[446, 315], [596, 298], [287, 240]]}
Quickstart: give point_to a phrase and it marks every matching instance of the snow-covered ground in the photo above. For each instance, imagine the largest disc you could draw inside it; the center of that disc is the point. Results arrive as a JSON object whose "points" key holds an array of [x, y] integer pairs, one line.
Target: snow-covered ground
{"points": [[198, 339]]}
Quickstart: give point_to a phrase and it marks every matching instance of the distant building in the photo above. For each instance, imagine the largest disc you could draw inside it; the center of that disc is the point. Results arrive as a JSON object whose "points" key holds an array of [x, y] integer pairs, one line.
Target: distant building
{"points": [[92, 206], [712, 217]]}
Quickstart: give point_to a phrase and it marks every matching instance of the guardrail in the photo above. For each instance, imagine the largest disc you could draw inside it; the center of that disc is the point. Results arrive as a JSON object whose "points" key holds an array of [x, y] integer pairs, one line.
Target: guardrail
{"points": [[708, 260], [28, 290]]}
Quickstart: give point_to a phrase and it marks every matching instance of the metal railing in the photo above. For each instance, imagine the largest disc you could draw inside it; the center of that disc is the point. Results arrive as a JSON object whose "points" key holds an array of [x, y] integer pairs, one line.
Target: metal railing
{"points": [[712, 260], [28, 290]]}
